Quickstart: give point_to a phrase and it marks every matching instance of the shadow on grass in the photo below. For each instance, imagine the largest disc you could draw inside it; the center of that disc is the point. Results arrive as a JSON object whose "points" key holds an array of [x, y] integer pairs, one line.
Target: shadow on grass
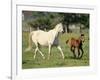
{"points": [[69, 57], [24, 62], [31, 62], [60, 64]]}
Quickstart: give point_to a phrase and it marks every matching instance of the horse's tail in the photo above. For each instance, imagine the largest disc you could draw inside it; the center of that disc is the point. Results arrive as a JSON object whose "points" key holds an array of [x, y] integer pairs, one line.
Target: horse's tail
{"points": [[67, 41], [29, 42]]}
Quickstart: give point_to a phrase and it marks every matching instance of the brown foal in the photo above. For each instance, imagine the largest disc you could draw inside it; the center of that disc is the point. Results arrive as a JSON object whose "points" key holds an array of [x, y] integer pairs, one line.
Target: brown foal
{"points": [[76, 44]]}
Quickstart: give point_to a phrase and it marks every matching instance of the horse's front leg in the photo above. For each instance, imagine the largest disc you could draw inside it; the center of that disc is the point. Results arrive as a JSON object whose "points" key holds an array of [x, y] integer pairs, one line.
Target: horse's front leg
{"points": [[49, 52], [59, 48]]}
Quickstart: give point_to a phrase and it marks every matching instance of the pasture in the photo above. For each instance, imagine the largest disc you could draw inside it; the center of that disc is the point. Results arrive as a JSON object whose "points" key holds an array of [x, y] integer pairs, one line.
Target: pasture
{"points": [[55, 60]]}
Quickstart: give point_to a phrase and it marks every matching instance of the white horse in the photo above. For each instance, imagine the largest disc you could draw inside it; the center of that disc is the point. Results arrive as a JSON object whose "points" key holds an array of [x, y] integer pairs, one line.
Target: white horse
{"points": [[44, 38]]}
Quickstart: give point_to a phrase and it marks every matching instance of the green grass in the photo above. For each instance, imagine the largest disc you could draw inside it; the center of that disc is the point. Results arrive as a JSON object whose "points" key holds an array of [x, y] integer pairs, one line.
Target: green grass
{"points": [[55, 58]]}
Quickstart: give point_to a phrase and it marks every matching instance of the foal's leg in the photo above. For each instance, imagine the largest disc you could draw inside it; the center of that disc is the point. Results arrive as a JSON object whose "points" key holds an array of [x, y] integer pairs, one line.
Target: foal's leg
{"points": [[49, 52], [73, 50], [78, 52], [81, 51], [59, 48]]}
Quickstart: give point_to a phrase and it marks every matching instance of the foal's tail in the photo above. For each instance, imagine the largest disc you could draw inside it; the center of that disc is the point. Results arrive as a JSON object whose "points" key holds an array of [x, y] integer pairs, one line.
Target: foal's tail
{"points": [[29, 42], [67, 41]]}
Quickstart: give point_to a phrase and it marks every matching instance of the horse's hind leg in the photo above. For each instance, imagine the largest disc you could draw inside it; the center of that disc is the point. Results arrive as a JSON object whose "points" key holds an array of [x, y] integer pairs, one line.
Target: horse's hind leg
{"points": [[59, 48], [35, 52], [37, 49], [41, 54]]}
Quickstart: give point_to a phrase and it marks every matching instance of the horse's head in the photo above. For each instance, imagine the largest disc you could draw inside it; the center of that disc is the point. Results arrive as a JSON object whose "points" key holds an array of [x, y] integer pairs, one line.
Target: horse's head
{"points": [[59, 27]]}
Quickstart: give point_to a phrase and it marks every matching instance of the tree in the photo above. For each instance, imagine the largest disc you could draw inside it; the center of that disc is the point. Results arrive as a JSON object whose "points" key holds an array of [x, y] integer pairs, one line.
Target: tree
{"points": [[45, 20], [70, 18], [48, 20]]}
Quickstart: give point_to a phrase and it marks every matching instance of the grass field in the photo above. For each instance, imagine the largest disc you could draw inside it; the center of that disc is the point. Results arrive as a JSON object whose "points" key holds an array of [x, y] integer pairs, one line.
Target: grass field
{"points": [[55, 58]]}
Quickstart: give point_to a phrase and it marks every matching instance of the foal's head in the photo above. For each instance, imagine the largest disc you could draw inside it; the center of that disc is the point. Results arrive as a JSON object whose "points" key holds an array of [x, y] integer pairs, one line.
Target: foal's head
{"points": [[82, 38]]}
